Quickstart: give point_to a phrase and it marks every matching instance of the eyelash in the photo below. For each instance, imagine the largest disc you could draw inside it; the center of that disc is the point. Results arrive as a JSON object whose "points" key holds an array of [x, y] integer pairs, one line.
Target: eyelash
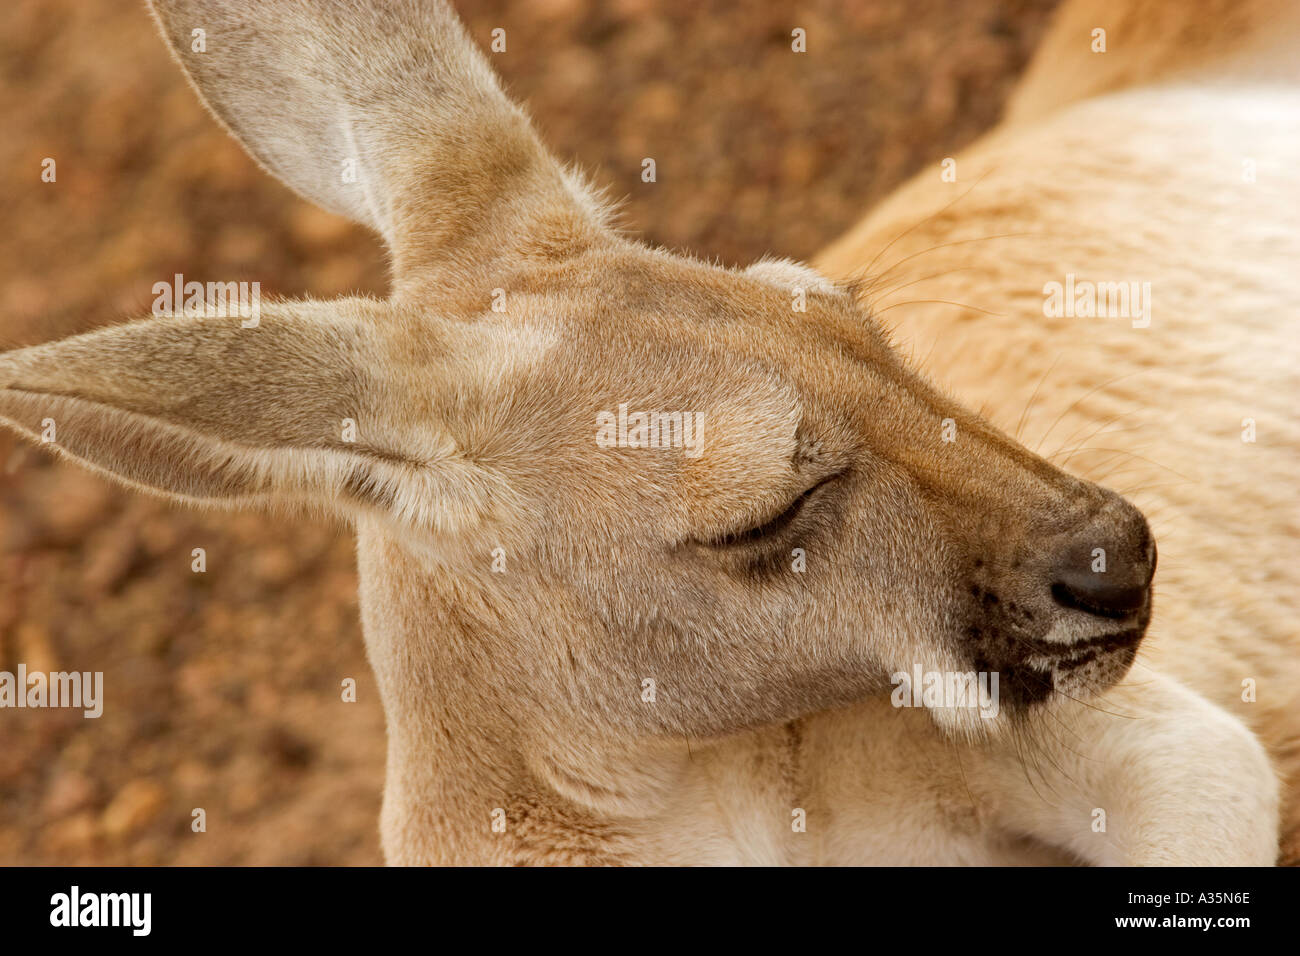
{"points": [[775, 525]]}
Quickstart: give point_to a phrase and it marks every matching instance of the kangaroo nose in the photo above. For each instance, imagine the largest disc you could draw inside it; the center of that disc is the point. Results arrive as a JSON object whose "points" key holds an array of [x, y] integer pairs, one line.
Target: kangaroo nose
{"points": [[1107, 567]]}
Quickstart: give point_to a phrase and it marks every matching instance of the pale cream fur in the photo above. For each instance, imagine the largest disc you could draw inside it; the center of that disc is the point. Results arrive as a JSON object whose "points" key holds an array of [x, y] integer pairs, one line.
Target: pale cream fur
{"points": [[514, 691]]}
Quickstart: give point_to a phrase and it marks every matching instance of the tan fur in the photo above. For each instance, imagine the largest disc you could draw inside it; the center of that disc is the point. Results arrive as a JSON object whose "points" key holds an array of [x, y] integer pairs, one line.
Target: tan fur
{"points": [[1142, 182], [515, 692]]}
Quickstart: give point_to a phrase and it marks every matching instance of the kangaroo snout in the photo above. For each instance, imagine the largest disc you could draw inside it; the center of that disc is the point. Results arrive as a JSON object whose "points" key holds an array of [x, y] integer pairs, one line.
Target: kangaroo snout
{"points": [[1105, 567], [1060, 603]]}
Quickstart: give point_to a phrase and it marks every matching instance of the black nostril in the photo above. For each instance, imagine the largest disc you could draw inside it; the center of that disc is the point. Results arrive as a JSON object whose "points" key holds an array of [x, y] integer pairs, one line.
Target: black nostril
{"points": [[1107, 568], [1099, 597]]}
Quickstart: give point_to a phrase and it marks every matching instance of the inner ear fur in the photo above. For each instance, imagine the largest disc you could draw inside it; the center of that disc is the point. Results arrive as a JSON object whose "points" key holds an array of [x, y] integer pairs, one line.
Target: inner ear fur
{"points": [[206, 411], [388, 114]]}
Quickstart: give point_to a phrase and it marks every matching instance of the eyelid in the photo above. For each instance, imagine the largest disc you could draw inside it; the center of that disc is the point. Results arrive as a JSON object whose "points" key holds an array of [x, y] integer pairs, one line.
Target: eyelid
{"points": [[776, 523]]}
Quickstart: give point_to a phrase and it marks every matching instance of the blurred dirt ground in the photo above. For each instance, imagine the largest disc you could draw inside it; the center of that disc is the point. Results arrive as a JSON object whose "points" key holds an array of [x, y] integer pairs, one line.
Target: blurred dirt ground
{"points": [[222, 689]]}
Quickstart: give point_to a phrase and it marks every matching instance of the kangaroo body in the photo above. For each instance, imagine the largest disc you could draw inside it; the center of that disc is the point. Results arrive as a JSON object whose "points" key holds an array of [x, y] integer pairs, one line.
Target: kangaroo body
{"points": [[1147, 168], [595, 654]]}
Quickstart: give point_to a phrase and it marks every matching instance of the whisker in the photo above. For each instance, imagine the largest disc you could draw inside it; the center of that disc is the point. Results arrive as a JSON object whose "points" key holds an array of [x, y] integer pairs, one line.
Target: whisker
{"points": [[964, 305], [921, 222], [955, 242], [1075, 404], [1030, 404], [1095, 432], [1150, 461], [880, 297]]}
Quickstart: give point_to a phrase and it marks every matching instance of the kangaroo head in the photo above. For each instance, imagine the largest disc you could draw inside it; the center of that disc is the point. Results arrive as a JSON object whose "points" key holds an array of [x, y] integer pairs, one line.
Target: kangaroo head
{"points": [[604, 493]]}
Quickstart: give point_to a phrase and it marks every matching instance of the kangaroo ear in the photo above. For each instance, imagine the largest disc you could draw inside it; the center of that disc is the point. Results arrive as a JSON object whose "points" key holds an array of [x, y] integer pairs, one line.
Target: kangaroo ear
{"points": [[206, 411], [382, 112]]}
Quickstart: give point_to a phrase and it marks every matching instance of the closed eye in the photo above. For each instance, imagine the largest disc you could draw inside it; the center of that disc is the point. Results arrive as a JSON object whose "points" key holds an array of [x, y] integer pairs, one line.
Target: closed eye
{"points": [[775, 525]]}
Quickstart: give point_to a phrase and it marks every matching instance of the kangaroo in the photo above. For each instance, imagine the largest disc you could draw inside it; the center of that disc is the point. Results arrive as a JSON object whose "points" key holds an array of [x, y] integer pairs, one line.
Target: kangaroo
{"points": [[658, 558]]}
